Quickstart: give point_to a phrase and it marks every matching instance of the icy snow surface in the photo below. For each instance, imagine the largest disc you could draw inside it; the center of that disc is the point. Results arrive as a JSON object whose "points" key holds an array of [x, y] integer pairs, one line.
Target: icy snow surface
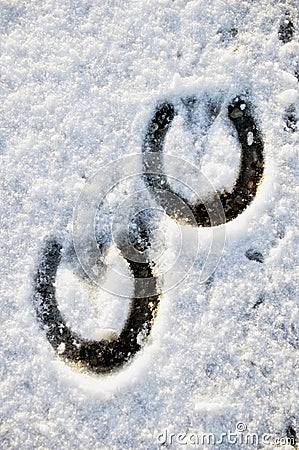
{"points": [[79, 82]]}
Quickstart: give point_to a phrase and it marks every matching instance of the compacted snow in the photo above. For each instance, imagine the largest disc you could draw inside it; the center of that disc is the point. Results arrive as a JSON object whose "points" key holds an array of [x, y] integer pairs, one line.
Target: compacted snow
{"points": [[80, 82]]}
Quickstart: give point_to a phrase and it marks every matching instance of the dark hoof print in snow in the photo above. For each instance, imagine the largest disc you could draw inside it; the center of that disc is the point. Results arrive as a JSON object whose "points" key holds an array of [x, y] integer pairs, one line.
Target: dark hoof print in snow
{"points": [[91, 355], [220, 207]]}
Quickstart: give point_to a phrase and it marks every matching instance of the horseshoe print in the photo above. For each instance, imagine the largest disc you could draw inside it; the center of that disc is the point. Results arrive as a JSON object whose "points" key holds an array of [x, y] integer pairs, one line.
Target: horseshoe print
{"points": [[107, 355], [94, 356], [250, 171]]}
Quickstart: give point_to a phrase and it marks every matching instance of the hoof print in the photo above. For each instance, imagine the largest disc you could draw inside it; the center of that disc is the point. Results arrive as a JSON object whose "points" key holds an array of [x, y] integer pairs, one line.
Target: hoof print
{"points": [[220, 207], [102, 356]]}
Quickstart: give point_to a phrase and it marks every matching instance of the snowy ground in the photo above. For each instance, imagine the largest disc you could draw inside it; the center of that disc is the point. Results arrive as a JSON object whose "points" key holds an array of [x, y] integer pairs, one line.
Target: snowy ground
{"points": [[79, 82]]}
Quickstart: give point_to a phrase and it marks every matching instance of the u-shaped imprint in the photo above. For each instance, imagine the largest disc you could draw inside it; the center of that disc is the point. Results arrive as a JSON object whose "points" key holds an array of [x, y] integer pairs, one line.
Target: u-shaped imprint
{"points": [[250, 171], [105, 356], [93, 356]]}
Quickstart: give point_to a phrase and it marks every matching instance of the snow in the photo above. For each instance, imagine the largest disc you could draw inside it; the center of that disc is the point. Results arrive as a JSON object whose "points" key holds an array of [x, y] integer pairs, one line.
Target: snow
{"points": [[79, 82]]}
